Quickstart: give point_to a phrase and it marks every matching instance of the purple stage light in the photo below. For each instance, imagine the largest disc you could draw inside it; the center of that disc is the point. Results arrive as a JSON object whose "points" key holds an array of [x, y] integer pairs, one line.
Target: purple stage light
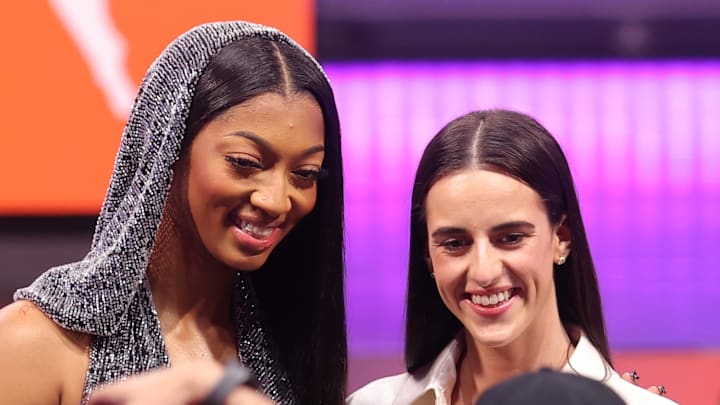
{"points": [[642, 139]]}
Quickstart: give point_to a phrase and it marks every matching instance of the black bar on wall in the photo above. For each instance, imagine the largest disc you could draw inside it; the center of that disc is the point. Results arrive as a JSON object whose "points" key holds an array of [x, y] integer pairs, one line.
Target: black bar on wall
{"points": [[30, 245], [47, 224], [518, 39]]}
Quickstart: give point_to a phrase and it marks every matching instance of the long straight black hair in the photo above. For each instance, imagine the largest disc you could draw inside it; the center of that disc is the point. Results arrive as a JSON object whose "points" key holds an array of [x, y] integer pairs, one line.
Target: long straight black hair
{"points": [[300, 287], [516, 145]]}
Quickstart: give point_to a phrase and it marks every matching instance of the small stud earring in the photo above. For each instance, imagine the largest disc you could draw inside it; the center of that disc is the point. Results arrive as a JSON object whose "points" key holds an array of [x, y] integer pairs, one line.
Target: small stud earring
{"points": [[561, 260]]}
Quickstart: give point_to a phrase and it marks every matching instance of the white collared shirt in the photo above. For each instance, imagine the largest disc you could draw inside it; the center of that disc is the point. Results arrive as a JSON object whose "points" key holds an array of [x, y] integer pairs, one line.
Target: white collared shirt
{"points": [[434, 385]]}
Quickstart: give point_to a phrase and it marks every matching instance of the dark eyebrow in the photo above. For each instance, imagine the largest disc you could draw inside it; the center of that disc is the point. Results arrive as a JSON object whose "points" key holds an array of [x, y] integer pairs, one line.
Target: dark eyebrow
{"points": [[454, 230], [512, 225], [313, 149], [447, 230], [263, 143]]}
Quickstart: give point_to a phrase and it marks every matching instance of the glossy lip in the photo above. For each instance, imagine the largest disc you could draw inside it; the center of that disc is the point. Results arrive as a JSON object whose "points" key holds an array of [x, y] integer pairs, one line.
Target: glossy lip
{"points": [[250, 242], [491, 311], [253, 244]]}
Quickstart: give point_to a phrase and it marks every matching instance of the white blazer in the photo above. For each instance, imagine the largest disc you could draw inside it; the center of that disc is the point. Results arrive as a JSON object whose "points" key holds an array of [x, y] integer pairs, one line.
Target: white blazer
{"points": [[434, 385]]}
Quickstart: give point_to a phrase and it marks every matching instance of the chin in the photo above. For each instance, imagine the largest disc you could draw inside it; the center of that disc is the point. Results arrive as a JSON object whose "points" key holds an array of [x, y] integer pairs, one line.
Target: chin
{"points": [[252, 263], [239, 260], [492, 336]]}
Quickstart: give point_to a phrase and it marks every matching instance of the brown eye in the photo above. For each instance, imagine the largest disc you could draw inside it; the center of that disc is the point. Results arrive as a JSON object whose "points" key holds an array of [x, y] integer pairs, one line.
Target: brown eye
{"points": [[512, 238], [453, 245]]}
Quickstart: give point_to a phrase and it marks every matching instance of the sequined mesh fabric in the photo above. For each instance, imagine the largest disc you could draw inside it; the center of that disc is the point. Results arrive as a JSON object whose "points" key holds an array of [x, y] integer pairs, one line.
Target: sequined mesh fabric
{"points": [[107, 294]]}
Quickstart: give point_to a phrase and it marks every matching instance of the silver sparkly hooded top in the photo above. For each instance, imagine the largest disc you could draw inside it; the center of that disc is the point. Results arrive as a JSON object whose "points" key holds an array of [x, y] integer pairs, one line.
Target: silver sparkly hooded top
{"points": [[107, 294]]}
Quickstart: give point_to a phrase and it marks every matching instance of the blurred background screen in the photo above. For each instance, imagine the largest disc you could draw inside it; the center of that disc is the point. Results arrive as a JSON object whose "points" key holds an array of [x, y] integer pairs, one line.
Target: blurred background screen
{"points": [[630, 89]]}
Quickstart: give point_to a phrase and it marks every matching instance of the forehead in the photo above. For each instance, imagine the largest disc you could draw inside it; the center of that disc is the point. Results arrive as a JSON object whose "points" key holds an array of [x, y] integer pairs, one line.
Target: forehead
{"points": [[296, 117], [269, 102], [480, 196]]}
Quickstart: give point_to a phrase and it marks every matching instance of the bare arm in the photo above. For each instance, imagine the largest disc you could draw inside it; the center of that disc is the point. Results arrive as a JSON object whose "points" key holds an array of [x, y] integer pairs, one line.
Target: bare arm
{"points": [[41, 363]]}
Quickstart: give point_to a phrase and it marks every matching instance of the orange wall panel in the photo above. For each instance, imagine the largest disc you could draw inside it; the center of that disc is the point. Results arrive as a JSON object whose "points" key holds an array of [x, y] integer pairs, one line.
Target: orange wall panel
{"points": [[58, 131]]}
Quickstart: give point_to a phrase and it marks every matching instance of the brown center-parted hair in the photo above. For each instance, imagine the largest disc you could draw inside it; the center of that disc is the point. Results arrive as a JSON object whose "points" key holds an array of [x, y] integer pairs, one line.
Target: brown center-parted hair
{"points": [[518, 146]]}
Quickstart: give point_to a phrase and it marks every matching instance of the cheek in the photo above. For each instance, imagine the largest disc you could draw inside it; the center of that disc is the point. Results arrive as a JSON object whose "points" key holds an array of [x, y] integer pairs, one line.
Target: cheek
{"points": [[450, 287], [534, 260], [449, 274], [534, 269], [209, 200], [207, 185], [536, 273], [305, 202], [446, 266]]}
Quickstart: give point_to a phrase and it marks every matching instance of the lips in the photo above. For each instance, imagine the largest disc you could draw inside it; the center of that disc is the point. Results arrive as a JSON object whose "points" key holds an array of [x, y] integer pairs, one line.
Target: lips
{"points": [[491, 300], [255, 236], [256, 231], [492, 303]]}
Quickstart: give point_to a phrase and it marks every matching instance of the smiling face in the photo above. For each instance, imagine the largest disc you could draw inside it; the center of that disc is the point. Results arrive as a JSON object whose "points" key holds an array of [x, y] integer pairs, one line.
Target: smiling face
{"points": [[253, 174], [492, 249]]}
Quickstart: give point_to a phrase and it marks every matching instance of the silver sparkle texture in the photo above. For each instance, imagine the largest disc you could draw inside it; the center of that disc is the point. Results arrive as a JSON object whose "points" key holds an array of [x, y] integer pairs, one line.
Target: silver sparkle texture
{"points": [[107, 294]]}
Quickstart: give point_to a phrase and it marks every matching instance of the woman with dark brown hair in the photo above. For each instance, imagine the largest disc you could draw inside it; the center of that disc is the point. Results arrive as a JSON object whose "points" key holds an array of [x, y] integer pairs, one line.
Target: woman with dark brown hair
{"points": [[501, 280]]}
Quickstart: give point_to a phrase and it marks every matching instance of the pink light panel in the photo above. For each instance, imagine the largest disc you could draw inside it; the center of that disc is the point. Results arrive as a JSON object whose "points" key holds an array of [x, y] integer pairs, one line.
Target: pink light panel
{"points": [[643, 142]]}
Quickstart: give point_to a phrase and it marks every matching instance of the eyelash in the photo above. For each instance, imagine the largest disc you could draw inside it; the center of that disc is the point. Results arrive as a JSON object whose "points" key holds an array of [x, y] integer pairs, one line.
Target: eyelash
{"points": [[517, 238], [452, 245], [302, 174], [311, 174], [456, 244], [243, 163]]}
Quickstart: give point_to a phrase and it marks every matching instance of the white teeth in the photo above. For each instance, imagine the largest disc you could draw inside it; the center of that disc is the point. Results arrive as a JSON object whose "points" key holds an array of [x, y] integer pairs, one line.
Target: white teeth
{"points": [[491, 299], [256, 230]]}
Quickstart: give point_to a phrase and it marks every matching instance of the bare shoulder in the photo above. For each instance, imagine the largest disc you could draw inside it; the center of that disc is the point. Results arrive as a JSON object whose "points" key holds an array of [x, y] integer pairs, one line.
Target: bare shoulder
{"points": [[42, 362]]}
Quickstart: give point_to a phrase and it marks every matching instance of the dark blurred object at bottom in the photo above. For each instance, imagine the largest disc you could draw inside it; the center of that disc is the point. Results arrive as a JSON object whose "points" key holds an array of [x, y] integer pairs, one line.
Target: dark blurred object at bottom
{"points": [[550, 387]]}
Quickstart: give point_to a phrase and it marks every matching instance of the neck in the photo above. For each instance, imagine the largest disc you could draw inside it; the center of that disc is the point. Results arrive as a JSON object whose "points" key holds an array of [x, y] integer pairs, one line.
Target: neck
{"points": [[544, 344], [187, 283]]}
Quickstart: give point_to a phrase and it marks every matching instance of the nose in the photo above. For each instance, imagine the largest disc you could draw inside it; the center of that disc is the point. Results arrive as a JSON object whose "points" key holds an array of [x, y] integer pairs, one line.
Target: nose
{"points": [[486, 266], [271, 196]]}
